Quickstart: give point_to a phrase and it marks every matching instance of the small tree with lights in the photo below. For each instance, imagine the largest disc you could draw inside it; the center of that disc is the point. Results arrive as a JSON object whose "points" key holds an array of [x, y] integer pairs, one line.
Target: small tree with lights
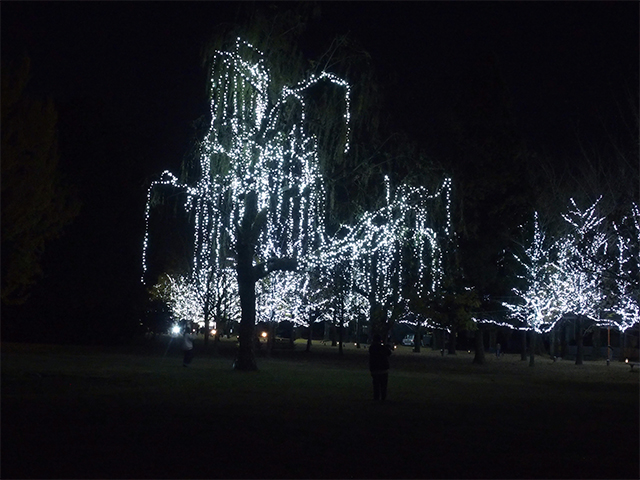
{"points": [[580, 270], [538, 305]]}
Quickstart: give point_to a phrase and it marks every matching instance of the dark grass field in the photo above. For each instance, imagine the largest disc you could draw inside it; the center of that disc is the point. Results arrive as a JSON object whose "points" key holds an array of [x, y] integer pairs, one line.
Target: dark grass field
{"points": [[78, 412]]}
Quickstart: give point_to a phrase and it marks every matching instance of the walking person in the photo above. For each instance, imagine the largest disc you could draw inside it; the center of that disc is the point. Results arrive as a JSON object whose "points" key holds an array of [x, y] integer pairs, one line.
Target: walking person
{"points": [[379, 367], [187, 344]]}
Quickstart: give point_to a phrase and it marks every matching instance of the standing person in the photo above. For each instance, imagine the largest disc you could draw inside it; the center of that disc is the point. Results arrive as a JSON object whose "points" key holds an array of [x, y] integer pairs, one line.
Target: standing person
{"points": [[379, 367], [187, 344]]}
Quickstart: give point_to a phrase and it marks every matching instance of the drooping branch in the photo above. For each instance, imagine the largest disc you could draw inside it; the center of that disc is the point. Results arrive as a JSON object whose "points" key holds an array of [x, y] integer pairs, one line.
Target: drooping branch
{"points": [[275, 264]]}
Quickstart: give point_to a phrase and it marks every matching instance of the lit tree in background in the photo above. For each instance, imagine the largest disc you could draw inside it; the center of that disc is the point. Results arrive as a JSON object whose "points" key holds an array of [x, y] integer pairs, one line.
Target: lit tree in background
{"points": [[182, 297], [581, 267], [627, 271], [279, 298], [538, 306], [191, 301], [590, 275]]}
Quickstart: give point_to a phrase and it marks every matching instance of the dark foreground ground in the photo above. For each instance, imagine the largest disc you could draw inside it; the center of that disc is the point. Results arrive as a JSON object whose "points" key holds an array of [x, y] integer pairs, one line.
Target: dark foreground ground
{"points": [[71, 412]]}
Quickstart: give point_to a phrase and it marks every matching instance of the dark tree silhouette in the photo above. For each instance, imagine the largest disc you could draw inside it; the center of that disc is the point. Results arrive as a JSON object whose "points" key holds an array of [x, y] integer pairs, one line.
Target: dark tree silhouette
{"points": [[36, 204]]}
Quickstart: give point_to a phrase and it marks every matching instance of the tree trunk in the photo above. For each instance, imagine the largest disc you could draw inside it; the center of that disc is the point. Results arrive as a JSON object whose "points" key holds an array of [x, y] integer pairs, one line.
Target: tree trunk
{"points": [[341, 334], [523, 347], [579, 341], [207, 322], [563, 341], [532, 347], [310, 334], [556, 341], [478, 358], [453, 340], [246, 360], [493, 339], [417, 340]]}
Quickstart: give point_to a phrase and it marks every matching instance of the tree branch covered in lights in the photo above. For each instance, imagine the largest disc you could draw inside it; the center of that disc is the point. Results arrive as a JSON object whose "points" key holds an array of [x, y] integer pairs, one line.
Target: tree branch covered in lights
{"points": [[538, 308], [626, 307], [394, 253], [581, 263]]}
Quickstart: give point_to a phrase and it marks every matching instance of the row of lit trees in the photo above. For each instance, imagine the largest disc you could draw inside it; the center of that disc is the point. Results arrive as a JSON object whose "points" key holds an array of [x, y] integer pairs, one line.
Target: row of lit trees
{"points": [[588, 275]]}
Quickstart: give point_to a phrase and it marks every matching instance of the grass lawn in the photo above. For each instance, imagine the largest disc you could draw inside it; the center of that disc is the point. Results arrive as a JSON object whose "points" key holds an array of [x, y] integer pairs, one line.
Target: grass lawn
{"points": [[80, 412]]}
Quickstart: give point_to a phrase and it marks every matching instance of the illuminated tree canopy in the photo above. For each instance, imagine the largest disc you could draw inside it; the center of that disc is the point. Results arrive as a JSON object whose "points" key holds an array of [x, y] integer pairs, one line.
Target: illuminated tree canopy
{"points": [[589, 273]]}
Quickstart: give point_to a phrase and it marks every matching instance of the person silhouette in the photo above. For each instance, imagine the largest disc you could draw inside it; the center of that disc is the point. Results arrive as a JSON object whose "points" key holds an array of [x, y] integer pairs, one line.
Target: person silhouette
{"points": [[187, 344], [379, 367]]}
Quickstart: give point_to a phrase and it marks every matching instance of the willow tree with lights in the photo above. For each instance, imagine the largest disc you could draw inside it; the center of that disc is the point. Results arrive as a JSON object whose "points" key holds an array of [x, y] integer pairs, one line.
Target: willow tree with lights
{"points": [[255, 191], [260, 176], [391, 254]]}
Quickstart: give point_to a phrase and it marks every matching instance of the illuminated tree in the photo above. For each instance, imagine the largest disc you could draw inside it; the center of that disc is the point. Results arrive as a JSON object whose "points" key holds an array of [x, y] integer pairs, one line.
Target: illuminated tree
{"points": [[627, 271], [280, 297], [588, 275], [259, 193], [538, 308], [581, 267], [181, 296]]}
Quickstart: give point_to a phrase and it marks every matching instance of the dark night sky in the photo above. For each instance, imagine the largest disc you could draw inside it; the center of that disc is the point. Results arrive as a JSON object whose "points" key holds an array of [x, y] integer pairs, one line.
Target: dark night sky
{"points": [[564, 64]]}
